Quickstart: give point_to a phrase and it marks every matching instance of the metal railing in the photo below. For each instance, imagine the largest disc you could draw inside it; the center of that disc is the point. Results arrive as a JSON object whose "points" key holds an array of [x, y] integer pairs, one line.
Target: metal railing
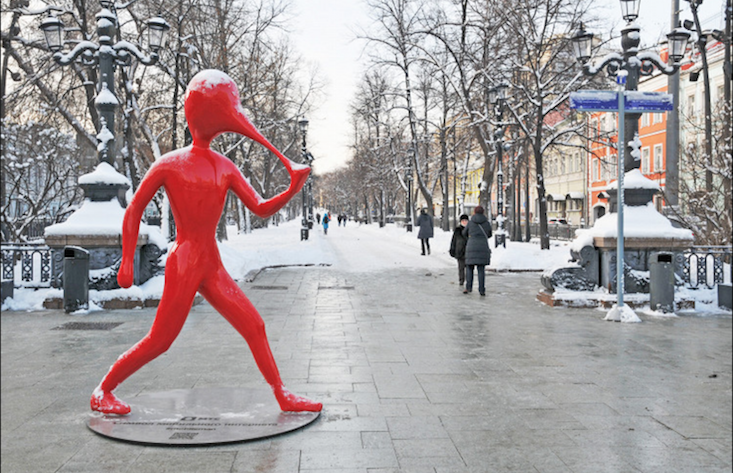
{"points": [[32, 259], [705, 265]]}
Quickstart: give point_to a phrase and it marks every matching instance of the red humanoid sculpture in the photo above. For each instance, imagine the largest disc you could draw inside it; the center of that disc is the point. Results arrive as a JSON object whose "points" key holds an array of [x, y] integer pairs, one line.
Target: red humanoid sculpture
{"points": [[197, 180]]}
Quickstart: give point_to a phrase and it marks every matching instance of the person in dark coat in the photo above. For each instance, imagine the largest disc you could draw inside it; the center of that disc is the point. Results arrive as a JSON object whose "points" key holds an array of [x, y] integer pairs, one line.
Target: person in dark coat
{"points": [[478, 253], [458, 248], [425, 222]]}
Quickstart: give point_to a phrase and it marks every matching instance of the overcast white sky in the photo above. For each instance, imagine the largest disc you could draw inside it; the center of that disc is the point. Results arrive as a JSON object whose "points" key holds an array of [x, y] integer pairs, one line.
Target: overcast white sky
{"points": [[324, 32]]}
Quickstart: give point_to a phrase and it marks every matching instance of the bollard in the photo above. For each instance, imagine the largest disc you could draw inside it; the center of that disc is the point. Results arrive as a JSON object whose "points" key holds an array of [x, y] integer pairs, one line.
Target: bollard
{"points": [[76, 278], [661, 284]]}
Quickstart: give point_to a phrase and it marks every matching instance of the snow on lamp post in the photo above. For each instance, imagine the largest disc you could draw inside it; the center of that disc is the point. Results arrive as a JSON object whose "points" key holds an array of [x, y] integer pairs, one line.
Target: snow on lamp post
{"points": [[497, 98], [632, 61], [307, 193]]}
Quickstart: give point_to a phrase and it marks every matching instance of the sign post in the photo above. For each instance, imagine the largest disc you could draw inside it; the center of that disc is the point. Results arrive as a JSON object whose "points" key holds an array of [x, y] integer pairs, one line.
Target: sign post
{"points": [[621, 102]]}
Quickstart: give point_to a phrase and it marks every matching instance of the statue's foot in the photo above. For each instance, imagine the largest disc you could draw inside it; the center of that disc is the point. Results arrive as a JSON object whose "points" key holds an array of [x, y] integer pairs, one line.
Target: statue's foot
{"points": [[289, 402], [108, 403]]}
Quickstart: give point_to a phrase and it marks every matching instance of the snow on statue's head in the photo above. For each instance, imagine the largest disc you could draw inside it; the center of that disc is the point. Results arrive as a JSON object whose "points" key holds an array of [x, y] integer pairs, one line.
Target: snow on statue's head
{"points": [[212, 107]]}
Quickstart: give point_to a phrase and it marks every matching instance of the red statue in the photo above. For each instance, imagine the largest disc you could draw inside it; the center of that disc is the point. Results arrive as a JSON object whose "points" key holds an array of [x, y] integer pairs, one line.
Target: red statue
{"points": [[197, 180]]}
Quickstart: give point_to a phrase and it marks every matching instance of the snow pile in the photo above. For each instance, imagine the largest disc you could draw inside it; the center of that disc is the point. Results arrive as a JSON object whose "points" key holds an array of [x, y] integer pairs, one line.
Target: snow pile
{"points": [[102, 219], [639, 222], [634, 179], [363, 248], [104, 174], [622, 314], [92, 218]]}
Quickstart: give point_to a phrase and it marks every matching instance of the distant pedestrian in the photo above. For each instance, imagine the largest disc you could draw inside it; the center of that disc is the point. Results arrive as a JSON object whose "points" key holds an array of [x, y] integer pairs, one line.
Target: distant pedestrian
{"points": [[318, 219], [325, 221], [478, 254], [458, 249], [425, 222]]}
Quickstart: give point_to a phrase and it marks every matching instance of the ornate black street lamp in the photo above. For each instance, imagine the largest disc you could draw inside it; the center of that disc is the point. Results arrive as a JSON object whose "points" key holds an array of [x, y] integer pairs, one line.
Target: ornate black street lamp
{"points": [[106, 55], [497, 98], [307, 220], [632, 61]]}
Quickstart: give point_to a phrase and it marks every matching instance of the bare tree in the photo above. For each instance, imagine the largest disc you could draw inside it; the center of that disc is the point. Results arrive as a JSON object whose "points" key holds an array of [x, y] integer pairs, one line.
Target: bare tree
{"points": [[542, 73], [40, 168]]}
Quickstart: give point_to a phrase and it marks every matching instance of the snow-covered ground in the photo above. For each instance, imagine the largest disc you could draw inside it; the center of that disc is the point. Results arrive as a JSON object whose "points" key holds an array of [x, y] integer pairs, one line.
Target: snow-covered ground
{"points": [[353, 248]]}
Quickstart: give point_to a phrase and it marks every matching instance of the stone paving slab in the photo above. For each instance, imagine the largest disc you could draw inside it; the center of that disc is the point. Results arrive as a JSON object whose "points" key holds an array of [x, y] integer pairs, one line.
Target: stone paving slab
{"points": [[414, 376]]}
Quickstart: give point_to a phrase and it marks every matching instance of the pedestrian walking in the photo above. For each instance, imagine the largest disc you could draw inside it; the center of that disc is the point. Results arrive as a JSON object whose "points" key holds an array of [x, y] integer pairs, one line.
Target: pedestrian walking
{"points": [[478, 254], [318, 219], [425, 222], [458, 249], [325, 221]]}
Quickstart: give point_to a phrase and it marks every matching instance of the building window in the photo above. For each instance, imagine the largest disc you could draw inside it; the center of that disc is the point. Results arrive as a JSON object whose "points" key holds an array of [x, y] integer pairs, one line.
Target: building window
{"points": [[645, 160], [579, 163], [644, 120], [594, 129], [594, 169], [690, 106], [657, 118], [658, 158]]}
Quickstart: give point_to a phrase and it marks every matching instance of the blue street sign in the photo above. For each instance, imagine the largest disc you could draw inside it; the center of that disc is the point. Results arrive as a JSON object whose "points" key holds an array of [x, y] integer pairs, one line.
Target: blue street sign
{"points": [[594, 100], [607, 101], [640, 102]]}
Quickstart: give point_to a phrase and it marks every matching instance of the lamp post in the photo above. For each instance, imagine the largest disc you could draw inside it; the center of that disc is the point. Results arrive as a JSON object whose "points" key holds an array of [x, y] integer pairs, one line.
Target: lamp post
{"points": [[104, 188], [106, 55], [408, 178], [632, 61], [497, 98], [307, 221]]}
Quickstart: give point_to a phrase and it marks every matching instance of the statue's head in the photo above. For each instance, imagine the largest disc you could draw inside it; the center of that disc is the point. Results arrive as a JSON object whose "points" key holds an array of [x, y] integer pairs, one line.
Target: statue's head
{"points": [[212, 107]]}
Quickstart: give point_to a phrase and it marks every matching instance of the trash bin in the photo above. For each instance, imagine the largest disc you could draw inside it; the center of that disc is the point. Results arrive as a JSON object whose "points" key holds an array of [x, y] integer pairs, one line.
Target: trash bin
{"points": [[8, 286], [661, 284], [76, 278]]}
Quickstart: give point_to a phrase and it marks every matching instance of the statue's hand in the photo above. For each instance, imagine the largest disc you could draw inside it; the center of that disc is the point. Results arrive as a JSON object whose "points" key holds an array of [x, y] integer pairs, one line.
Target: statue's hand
{"points": [[125, 274]]}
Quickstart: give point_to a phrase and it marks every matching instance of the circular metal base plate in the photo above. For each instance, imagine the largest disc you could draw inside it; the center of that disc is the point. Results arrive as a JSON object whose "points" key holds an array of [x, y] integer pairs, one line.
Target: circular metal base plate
{"points": [[199, 417]]}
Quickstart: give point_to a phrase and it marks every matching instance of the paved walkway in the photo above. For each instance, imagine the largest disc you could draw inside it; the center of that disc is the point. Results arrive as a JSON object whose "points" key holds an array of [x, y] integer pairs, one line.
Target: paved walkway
{"points": [[414, 377]]}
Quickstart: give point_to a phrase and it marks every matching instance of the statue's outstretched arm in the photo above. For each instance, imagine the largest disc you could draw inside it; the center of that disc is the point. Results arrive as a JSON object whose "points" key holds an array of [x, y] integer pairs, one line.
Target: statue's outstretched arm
{"points": [[150, 184], [264, 208]]}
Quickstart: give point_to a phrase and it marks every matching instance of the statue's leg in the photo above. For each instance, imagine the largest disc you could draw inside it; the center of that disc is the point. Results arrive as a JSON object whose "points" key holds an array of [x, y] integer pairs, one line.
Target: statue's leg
{"points": [[179, 291], [226, 297]]}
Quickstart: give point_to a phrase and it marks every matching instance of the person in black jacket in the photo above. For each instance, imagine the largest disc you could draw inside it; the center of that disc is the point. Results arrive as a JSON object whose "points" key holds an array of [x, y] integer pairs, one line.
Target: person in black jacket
{"points": [[425, 222], [478, 253], [458, 249]]}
